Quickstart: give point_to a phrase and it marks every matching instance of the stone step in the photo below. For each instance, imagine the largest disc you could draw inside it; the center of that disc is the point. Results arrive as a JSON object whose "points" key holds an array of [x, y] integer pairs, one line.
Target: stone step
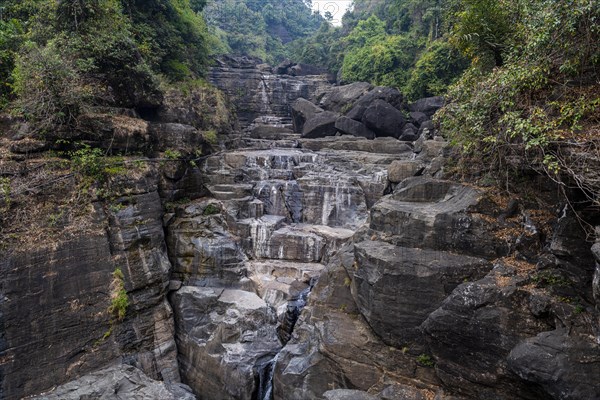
{"points": [[239, 190], [264, 144], [273, 133]]}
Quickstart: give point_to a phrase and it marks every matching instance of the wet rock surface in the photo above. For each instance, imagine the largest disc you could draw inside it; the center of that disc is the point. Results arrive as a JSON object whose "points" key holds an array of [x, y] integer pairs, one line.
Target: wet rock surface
{"points": [[290, 267], [255, 92]]}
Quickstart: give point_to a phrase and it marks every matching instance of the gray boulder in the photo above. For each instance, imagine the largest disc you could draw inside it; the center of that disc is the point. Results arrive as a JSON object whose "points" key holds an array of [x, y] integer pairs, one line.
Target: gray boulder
{"points": [[342, 97], [427, 129], [354, 128], [475, 329], [400, 170], [418, 117], [418, 284], [384, 119], [409, 133], [566, 365], [321, 125], [387, 94], [302, 111], [428, 105]]}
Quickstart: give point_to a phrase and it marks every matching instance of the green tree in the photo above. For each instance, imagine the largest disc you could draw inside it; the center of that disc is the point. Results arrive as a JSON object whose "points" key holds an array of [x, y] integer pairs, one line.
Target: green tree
{"points": [[374, 56], [482, 29], [438, 67]]}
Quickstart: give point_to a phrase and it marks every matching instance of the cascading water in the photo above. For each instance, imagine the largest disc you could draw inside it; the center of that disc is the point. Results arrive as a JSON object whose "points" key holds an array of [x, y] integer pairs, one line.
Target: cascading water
{"points": [[294, 308], [266, 370], [265, 106], [265, 380]]}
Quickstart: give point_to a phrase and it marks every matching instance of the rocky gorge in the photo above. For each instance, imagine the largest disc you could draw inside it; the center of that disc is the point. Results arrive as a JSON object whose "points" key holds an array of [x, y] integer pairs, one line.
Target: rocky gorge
{"points": [[322, 251]]}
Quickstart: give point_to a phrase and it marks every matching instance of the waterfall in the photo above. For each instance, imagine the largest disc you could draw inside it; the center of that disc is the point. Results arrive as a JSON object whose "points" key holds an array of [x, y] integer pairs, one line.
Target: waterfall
{"points": [[294, 308], [266, 370], [265, 105]]}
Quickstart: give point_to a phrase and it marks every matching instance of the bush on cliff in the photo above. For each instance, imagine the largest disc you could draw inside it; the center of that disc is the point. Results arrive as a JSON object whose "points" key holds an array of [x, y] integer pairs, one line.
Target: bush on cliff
{"points": [[60, 57], [535, 102]]}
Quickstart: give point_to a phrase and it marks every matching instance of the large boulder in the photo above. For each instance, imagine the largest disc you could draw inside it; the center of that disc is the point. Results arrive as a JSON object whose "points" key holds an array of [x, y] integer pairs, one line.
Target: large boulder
{"points": [[354, 128], [565, 364], [384, 119], [223, 336], [341, 98], [321, 125], [418, 117], [426, 129], [436, 214], [473, 332], [427, 106], [409, 133], [287, 67], [396, 288], [402, 169], [387, 94], [302, 111]]}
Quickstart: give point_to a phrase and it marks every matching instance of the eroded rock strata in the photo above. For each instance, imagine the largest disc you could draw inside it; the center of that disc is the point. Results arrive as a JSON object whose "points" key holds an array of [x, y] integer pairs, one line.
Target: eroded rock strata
{"points": [[325, 256]]}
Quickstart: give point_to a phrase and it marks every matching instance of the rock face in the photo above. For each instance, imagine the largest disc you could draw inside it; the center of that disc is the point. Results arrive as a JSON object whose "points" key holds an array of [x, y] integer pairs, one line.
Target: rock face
{"points": [[244, 259], [338, 265], [222, 336], [68, 329], [255, 92]]}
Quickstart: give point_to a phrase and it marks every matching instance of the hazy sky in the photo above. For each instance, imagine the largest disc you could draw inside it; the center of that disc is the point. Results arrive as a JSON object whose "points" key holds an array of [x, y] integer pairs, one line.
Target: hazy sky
{"points": [[337, 8]]}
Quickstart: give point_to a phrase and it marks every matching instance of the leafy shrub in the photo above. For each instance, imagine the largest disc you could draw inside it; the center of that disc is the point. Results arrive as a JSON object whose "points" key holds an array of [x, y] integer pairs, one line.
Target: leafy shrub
{"points": [[119, 302], [437, 68], [173, 154], [89, 162], [425, 360], [532, 110], [211, 209], [377, 57], [51, 91]]}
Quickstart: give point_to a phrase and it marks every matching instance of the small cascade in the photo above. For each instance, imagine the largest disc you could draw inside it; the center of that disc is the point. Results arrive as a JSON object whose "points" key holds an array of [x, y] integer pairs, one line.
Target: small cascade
{"points": [[294, 308], [265, 105], [266, 370]]}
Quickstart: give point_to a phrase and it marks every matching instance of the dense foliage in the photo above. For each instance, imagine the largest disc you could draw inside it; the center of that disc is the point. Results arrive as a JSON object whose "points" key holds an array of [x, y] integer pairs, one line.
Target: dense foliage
{"points": [[60, 57], [401, 43], [260, 28], [532, 97]]}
